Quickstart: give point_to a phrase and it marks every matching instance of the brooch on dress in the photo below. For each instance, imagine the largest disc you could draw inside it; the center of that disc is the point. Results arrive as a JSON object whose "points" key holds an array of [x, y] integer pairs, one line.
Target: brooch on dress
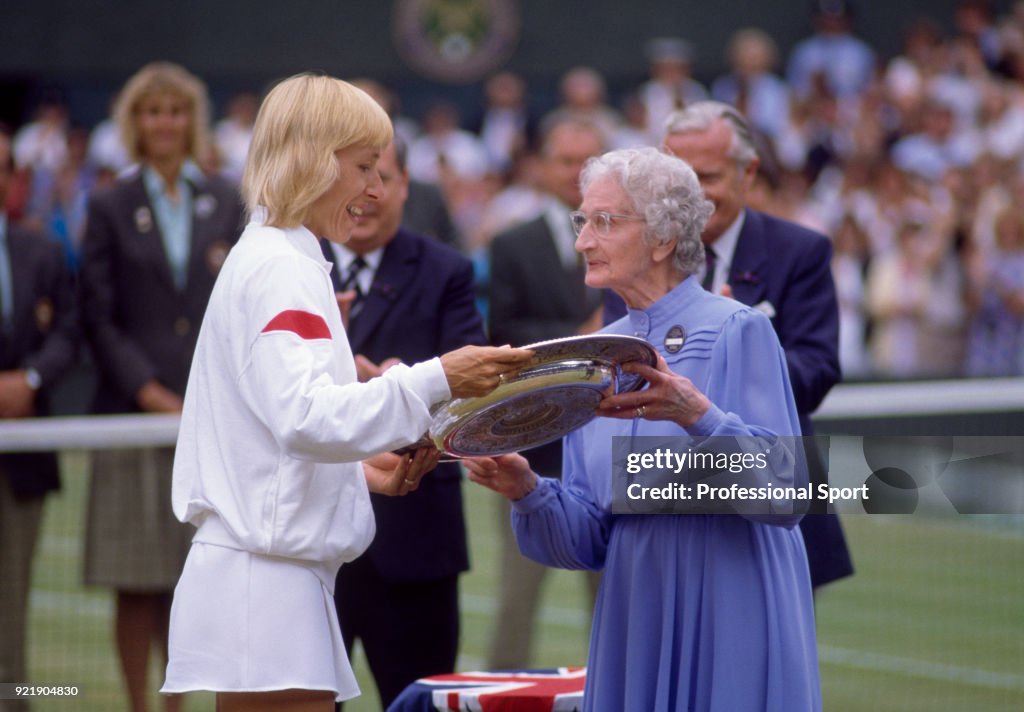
{"points": [[674, 339]]}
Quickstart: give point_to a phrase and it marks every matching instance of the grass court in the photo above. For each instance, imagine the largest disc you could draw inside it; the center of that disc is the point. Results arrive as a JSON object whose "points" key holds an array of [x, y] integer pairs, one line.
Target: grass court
{"points": [[933, 621]]}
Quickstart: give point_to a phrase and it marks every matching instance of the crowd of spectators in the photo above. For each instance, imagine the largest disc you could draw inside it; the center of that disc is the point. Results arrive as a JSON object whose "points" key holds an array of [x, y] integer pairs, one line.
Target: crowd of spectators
{"points": [[912, 164]]}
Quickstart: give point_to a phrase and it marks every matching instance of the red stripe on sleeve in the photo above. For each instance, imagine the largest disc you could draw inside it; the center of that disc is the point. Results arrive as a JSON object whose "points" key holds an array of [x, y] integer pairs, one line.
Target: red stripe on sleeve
{"points": [[301, 323]]}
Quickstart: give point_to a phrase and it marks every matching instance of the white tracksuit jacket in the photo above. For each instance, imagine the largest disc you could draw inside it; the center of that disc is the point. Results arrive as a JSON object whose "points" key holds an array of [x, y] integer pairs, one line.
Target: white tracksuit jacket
{"points": [[275, 423]]}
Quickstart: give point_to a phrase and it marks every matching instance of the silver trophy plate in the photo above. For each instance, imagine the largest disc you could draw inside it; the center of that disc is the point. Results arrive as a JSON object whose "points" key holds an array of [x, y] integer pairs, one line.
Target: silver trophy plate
{"points": [[554, 394]]}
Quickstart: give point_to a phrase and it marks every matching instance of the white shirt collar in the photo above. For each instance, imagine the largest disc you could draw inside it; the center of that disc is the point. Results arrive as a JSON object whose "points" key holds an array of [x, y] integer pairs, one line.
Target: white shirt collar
{"points": [[300, 237], [344, 257]]}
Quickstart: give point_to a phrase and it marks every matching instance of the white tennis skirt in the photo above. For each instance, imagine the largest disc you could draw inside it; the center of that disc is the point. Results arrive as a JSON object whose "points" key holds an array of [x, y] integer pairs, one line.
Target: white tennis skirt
{"points": [[242, 622]]}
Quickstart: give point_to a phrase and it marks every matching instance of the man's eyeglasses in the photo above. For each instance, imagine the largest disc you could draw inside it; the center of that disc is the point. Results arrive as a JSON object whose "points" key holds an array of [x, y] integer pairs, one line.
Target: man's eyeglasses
{"points": [[601, 221]]}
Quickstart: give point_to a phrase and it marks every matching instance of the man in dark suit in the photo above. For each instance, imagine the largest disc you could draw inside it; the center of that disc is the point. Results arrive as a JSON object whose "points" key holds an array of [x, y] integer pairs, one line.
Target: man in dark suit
{"points": [[412, 300], [777, 267], [537, 293], [38, 343]]}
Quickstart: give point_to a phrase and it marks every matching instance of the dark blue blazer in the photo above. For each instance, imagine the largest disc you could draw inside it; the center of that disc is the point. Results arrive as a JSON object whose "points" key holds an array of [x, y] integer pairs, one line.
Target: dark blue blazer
{"points": [[422, 303], [786, 271], [790, 267], [139, 325], [42, 334]]}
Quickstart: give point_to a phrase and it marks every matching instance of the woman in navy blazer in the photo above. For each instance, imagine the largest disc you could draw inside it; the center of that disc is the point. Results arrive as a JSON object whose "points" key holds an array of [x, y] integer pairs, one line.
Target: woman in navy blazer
{"points": [[153, 244]]}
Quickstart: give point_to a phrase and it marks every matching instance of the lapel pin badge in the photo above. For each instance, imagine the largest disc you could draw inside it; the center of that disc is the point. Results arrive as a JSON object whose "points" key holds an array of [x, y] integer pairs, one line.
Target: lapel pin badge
{"points": [[143, 219], [205, 205], [674, 339]]}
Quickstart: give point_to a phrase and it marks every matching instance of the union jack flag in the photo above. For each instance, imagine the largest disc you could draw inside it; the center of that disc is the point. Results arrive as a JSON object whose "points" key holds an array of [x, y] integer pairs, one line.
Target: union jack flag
{"points": [[557, 690]]}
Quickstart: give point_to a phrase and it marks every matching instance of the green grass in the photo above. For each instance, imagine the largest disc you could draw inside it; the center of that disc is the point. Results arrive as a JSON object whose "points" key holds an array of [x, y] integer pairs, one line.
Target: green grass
{"points": [[933, 620]]}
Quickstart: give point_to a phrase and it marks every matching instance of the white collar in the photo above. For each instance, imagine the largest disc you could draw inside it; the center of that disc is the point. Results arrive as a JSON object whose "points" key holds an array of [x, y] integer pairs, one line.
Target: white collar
{"points": [[300, 236], [345, 257]]}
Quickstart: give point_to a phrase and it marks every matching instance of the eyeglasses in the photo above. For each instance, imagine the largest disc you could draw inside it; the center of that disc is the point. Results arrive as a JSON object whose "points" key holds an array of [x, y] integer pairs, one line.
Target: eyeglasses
{"points": [[601, 221]]}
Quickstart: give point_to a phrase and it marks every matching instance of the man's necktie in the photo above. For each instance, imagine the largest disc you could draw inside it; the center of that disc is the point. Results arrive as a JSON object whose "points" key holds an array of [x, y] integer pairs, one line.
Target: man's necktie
{"points": [[351, 281], [709, 268]]}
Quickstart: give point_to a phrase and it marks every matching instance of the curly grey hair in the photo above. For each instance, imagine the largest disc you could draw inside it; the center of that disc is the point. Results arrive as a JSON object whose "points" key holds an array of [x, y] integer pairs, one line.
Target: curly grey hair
{"points": [[665, 192]]}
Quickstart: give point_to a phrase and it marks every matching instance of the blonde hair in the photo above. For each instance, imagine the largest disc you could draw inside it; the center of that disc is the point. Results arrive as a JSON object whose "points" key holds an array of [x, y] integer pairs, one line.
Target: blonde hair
{"points": [[303, 121], [163, 78]]}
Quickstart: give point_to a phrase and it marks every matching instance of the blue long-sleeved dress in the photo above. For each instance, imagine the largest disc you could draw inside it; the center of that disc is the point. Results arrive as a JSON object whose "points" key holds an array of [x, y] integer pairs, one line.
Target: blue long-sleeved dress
{"points": [[703, 612]]}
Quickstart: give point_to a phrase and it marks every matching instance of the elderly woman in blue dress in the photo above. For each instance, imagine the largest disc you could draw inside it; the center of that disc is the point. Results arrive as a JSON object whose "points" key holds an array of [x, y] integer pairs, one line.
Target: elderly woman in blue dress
{"points": [[709, 612]]}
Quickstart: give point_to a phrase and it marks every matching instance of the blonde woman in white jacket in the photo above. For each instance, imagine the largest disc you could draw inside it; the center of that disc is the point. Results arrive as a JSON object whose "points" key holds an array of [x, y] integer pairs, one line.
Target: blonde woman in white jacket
{"points": [[279, 444]]}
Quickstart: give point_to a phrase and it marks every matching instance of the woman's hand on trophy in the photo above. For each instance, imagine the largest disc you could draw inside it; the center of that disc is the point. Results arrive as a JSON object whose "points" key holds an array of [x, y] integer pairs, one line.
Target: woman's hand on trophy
{"points": [[477, 370], [508, 475]]}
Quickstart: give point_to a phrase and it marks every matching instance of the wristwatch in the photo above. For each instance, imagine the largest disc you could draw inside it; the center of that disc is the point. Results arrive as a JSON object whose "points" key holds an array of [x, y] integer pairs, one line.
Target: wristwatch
{"points": [[32, 379]]}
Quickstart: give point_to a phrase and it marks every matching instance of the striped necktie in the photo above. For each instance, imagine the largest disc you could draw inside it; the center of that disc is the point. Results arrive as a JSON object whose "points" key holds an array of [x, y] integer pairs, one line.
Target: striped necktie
{"points": [[351, 281]]}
